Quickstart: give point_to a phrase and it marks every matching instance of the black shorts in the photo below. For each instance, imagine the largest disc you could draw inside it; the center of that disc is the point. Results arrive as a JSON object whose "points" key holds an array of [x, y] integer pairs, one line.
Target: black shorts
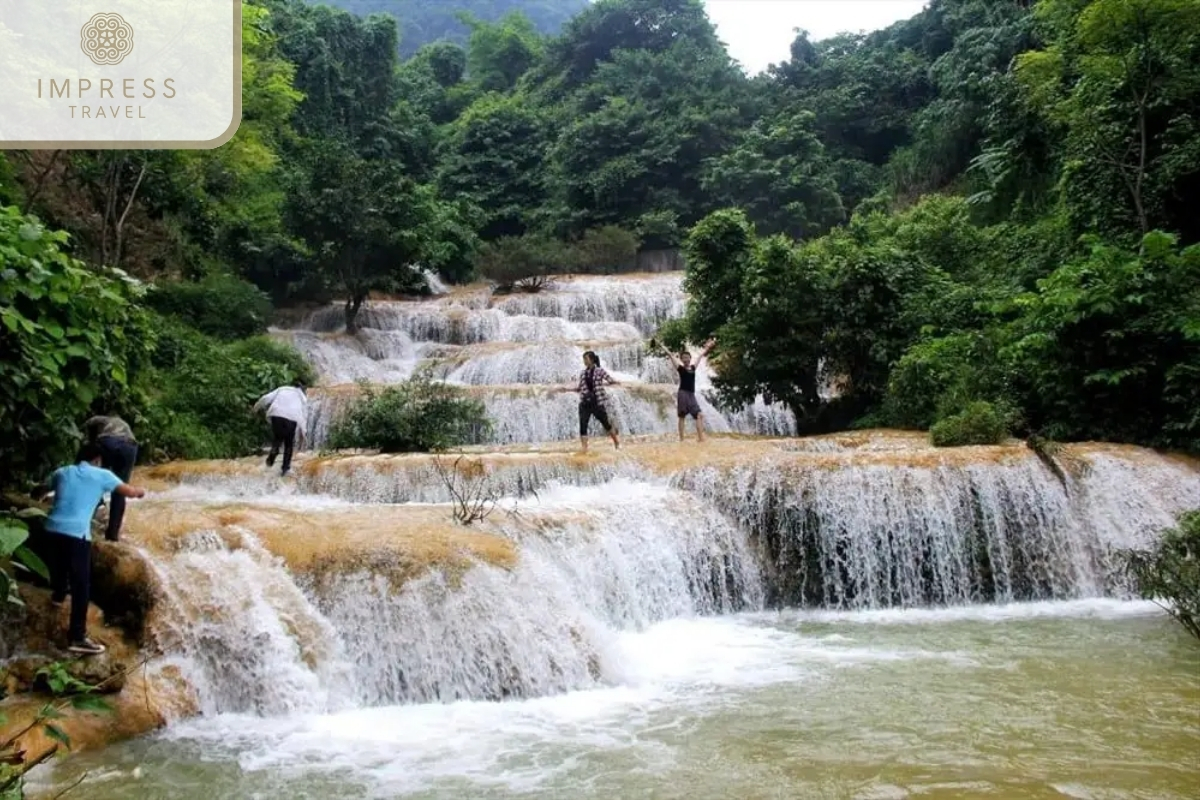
{"points": [[589, 410]]}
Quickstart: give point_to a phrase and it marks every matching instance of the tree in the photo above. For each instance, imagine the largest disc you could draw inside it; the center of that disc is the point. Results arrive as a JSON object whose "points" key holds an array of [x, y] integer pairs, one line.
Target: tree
{"points": [[499, 53], [779, 173], [367, 224], [495, 155], [1121, 78]]}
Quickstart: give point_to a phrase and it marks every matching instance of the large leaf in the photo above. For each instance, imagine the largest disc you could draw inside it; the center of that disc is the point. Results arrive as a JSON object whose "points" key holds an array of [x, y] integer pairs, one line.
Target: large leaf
{"points": [[30, 560], [11, 537]]}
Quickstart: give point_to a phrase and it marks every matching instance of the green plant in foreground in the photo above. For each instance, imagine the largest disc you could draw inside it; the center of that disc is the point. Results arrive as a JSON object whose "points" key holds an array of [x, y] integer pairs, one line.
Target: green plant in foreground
{"points": [[1169, 573], [14, 554], [69, 692]]}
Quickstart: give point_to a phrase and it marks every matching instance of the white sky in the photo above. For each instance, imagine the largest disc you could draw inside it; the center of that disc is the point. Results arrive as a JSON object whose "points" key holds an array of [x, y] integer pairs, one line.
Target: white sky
{"points": [[760, 32]]}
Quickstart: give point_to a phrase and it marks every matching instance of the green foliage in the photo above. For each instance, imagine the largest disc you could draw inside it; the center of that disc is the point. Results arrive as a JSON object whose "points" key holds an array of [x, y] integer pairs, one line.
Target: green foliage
{"points": [[606, 250], [222, 306], [781, 176], [200, 393], [1120, 79], [420, 415], [57, 680], [1109, 345], [1169, 572], [672, 335], [16, 556], [979, 423], [69, 335], [425, 21], [523, 263]]}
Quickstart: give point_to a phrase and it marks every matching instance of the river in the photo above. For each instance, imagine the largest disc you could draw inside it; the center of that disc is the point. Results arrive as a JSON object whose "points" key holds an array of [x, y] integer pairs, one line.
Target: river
{"points": [[1081, 699]]}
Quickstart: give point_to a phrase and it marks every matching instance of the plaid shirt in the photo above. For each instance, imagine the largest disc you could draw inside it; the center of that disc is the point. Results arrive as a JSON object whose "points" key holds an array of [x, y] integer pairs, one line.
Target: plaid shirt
{"points": [[597, 395]]}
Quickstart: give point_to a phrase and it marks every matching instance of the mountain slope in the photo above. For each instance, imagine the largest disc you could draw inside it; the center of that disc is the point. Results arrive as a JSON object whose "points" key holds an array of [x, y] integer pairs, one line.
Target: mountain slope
{"points": [[425, 21]]}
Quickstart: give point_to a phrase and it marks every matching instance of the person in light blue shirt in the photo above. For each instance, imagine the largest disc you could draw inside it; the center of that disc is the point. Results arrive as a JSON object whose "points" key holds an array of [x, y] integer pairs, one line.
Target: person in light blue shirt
{"points": [[78, 490]]}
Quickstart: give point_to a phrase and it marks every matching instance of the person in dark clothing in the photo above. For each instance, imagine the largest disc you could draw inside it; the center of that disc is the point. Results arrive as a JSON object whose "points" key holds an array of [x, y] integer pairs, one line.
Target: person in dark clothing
{"points": [[686, 404], [78, 490], [593, 400], [119, 451]]}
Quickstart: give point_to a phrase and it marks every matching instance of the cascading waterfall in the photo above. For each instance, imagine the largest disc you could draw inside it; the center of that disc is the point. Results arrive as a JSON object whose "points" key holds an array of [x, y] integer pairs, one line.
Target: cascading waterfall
{"points": [[522, 354], [605, 545], [245, 636], [848, 534], [593, 562]]}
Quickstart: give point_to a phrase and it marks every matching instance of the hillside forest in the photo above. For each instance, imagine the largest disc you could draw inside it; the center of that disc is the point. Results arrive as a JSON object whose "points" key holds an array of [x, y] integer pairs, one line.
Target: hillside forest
{"points": [[979, 221]]}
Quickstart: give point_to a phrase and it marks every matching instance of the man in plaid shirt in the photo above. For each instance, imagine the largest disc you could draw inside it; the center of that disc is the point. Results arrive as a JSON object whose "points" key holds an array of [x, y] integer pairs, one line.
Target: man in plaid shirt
{"points": [[593, 401]]}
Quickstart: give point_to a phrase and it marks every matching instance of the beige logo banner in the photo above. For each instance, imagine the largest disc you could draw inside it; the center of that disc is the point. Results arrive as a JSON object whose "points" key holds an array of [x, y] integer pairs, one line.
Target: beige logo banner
{"points": [[100, 74]]}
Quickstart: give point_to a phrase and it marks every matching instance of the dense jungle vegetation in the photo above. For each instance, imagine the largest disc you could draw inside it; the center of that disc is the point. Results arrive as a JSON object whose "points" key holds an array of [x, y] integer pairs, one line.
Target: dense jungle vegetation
{"points": [[981, 220]]}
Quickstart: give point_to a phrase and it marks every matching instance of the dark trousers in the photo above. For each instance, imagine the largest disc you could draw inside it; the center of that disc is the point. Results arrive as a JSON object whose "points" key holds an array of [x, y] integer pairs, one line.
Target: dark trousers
{"points": [[70, 566], [283, 432], [118, 456], [589, 410]]}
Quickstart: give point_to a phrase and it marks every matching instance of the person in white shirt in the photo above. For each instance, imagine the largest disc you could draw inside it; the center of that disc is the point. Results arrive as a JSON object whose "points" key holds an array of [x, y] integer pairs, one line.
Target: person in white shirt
{"points": [[287, 410]]}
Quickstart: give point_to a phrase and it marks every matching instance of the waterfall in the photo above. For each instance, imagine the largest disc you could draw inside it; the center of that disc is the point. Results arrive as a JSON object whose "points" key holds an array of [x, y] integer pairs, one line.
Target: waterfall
{"points": [[855, 532], [252, 636], [350, 584], [522, 354]]}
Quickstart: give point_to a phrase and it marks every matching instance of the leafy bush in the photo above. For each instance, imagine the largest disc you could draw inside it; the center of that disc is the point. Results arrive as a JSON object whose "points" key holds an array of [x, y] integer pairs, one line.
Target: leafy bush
{"points": [[1171, 571], [418, 416], [523, 263], [672, 334], [264, 348], [606, 250], [200, 393], [980, 422], [222, 306], [937, 378], [69, 335]]}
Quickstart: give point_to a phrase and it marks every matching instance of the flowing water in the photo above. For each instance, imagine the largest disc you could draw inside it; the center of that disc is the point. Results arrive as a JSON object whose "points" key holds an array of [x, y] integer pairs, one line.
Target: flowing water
{"points": [[857, 616]]}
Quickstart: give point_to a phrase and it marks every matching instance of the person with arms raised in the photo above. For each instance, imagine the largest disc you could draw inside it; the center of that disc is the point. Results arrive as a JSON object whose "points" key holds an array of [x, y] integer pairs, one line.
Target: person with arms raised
{"points": [[686, 404]]}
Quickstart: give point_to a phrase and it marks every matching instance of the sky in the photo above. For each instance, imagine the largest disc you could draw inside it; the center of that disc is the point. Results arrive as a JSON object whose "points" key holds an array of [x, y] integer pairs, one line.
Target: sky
{"points": [[760, 32]]}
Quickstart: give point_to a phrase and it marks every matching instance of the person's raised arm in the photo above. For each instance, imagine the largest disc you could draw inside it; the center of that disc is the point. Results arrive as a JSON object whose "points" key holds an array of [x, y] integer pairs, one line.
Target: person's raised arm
{"points": [[708, 346], [125, 490]]}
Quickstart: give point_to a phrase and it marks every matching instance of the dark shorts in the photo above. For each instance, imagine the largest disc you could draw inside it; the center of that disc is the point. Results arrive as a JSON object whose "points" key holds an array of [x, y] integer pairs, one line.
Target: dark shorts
{"points": [[686, 404], [589, 410]]}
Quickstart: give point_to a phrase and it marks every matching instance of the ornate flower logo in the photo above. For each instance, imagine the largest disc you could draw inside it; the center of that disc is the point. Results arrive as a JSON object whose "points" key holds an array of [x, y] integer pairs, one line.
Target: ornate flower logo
{"points": [[106, 39]]}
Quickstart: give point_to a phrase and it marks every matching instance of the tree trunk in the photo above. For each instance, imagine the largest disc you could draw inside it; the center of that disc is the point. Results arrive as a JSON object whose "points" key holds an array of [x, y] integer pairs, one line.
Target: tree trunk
{"points": [[353, 304], [40, 182]]}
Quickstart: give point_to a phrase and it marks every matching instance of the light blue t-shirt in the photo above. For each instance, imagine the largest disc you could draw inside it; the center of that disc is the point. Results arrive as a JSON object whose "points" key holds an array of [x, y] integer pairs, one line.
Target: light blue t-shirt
{"points": [[78, 489]]}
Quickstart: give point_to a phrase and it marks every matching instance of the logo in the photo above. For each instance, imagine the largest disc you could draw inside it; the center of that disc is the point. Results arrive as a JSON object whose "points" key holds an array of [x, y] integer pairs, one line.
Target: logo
{"points": [[106, 39]]}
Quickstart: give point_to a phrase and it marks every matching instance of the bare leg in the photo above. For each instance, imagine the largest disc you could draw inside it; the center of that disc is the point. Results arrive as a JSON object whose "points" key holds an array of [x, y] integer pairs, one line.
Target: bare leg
{"points": [[682, 420], [613, 435], [583, 443], [699, 427]]}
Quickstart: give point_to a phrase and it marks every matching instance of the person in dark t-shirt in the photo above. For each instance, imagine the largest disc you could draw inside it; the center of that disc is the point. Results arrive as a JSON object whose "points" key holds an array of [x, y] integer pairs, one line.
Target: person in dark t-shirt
{"points": [[686, 404]]}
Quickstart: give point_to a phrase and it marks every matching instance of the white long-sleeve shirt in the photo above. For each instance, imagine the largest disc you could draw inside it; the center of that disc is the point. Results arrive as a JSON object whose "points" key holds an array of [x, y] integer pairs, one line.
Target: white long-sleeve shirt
{"points": [[287, 402]]}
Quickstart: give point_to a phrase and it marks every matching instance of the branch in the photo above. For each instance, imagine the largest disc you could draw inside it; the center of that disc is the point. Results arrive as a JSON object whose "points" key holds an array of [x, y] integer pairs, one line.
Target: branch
{"points": [[81, 779], [17, 776]]}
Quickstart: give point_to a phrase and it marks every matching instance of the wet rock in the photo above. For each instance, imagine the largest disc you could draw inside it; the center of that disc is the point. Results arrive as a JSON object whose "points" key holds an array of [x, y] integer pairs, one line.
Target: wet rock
{"points": [[43, 642], [125, 586]]}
